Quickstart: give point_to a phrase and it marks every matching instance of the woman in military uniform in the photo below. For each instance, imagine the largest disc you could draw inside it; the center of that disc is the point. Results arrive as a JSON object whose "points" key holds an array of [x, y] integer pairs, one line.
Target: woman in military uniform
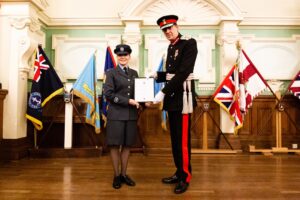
{"points": [[122, 114]]}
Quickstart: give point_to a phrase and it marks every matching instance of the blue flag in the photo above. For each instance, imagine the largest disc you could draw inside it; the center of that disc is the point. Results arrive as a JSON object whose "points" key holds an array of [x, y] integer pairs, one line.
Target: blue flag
{"points": [[157, 88], [85, 88], [109, 64], [45, 85]]}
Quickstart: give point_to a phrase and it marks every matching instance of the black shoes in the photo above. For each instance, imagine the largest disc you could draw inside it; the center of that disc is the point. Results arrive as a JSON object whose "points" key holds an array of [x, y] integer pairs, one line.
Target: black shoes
{"points": [[127, 180], [170, 180], [117, 182], [181, 187]]}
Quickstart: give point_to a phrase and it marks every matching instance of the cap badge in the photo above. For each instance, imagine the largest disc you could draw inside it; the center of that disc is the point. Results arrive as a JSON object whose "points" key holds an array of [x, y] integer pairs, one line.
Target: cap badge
{"points": [[122, 49], [164, 22]]}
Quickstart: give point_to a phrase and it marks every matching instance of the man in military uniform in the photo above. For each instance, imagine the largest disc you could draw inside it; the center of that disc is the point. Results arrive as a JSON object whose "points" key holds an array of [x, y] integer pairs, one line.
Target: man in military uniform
{"points": [[178, 98]]}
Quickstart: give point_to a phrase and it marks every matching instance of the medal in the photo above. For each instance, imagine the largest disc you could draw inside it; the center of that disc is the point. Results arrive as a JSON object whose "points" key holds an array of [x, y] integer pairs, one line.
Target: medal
{"points": [[176, 54]]}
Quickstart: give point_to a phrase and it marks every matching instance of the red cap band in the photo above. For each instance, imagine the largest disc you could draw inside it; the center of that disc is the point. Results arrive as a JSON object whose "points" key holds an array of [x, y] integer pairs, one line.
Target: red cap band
{"points": [[168, 21]]}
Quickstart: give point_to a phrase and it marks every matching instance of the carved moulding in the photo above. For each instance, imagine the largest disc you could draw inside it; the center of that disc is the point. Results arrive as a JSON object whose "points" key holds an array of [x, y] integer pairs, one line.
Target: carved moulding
{"points": [[27, 41], [72, 53]]}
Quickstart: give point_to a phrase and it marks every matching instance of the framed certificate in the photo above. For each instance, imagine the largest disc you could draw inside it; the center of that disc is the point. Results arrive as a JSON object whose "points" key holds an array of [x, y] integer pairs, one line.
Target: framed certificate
{"points": [[143, 89]]}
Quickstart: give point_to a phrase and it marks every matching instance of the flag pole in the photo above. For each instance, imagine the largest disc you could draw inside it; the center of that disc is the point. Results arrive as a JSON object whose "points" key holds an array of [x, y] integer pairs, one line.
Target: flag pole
{"points": [[279, 106], [205, 109], [92, 140], [286, 91], [35, 138]]}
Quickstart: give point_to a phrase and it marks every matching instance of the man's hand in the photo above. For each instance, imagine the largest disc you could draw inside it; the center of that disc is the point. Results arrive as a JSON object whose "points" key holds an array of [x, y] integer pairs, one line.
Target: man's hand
{"points": [[159, 97], [134, 103], [151, 75]]}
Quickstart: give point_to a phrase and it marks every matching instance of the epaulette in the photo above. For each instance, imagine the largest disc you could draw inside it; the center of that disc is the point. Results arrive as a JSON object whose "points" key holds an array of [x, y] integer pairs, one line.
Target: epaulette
{"points": [[186, 37]]}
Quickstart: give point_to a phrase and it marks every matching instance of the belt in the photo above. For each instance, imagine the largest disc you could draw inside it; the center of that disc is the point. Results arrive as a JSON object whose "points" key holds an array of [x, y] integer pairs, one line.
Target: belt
{"points": [[187, 93]]}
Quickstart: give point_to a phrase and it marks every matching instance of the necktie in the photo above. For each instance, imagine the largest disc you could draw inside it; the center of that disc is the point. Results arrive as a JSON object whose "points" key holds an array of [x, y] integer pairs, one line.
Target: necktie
{"points": [[126, 70]]}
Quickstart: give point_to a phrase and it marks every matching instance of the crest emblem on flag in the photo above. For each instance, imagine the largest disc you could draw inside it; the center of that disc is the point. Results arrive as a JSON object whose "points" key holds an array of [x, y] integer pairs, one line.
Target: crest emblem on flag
{"points": [[45, 85]]}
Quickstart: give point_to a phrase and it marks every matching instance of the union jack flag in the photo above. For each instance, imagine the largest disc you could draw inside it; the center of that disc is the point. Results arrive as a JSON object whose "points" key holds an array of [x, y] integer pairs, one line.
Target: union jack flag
{"points": [[227, 96], [295, 86], [45, 85]]}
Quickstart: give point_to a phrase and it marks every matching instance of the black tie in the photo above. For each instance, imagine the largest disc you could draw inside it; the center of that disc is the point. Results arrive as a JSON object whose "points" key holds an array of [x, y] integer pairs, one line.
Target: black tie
{"points": [[126, 70]]}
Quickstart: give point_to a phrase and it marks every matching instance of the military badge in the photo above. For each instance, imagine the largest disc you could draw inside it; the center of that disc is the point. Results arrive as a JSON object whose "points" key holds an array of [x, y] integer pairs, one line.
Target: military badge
{"points": [[176, 54]]}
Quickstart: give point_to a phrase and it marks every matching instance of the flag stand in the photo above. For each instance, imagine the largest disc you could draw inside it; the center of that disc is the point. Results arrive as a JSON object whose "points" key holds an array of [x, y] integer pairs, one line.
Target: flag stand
{"points": [[90, 135], [38, 152], [36, 145], [278, 148], [205, 149]]}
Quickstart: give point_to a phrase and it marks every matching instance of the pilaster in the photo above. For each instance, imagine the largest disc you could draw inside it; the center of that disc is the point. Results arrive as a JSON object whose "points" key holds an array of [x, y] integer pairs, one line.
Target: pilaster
{"points": [[228, 36], [132, 36], [20, 34]]}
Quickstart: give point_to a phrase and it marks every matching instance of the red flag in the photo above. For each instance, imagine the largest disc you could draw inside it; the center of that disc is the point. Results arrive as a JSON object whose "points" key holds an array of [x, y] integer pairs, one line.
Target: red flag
{"points": [[295, 86], [251, 82], [227, 96]]}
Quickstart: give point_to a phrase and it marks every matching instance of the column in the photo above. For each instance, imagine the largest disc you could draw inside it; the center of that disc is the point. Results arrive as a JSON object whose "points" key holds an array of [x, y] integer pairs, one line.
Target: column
{"points": [[20, 34], [228, 36], [132, 36]]}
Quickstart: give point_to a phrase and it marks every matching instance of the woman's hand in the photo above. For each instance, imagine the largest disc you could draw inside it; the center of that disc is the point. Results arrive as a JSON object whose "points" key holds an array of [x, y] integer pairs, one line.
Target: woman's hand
{"points": [[134, 103]]}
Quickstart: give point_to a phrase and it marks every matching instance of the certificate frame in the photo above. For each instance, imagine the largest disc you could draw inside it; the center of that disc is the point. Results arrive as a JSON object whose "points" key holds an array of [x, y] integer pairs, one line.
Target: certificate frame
{"points": [[143, 89]]}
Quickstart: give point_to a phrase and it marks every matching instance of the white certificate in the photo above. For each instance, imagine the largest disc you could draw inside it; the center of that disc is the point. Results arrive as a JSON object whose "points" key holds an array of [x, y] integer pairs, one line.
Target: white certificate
{"points": [[143, 89]]}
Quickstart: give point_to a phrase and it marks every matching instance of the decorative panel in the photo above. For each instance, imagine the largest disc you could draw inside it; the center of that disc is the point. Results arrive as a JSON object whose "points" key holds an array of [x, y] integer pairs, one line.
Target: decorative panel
{"points": [[275, 58], [72, 54]]}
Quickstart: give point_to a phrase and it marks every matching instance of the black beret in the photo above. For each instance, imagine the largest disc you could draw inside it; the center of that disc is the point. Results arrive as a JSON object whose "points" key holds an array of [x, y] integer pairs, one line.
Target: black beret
{"points": [[167, 21], [122, 49]]}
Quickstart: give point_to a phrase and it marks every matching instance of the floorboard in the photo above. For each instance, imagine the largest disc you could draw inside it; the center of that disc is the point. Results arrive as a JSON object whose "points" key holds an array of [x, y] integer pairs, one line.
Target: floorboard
{"points": [[239, 176]]}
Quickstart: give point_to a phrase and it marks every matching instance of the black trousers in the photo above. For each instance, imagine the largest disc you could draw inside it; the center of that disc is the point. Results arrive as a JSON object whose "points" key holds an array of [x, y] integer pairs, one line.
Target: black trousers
{"points": [[180, 131]]}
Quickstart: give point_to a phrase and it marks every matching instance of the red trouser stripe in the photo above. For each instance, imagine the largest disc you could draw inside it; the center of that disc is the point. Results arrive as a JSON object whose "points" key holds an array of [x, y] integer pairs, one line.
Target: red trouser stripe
{"points": [[185, 151]]}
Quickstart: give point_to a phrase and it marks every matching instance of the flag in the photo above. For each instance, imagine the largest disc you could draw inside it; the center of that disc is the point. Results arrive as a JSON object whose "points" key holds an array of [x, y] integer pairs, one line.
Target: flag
{"points": [[85, 88], [109, 64], [227, 96], [295, 86], [45, 85], [157, 88], [251, 82]]}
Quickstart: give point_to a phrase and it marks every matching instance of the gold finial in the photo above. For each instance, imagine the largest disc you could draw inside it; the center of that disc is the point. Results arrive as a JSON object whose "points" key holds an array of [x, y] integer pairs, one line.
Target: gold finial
{"points": [[238, 45]]}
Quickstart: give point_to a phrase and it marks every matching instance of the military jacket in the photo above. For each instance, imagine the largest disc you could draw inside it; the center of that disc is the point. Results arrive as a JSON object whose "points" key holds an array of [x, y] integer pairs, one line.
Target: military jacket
{"points": [[181, 59], [118, 89]]}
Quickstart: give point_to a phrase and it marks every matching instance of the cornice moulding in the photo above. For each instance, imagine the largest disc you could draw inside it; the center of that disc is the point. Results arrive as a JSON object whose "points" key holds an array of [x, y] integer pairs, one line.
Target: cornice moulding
{"points": [[270, 21], [81, 22]]}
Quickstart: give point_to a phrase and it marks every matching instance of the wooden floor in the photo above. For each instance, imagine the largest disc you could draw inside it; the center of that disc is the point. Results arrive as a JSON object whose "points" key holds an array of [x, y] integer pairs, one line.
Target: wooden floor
{"points": [[238, 176]]}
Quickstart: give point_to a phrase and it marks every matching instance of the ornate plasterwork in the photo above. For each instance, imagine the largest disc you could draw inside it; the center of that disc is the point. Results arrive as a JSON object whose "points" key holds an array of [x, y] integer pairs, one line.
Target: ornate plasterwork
{"points": [[40, 4], [22, 22], [26, 49], [191, 12], [26, 42]]}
